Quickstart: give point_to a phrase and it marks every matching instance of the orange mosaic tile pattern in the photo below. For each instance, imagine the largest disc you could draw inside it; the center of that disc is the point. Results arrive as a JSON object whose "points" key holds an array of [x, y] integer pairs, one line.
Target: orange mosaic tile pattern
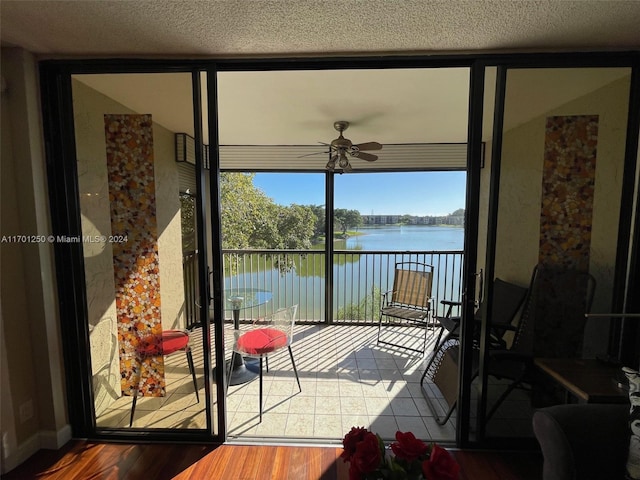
{"points": [[129, 141], [568, 183]]}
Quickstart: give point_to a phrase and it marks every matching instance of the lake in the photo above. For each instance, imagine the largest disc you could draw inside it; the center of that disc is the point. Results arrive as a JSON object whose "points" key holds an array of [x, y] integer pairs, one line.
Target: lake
{"points": [[407, 237]]}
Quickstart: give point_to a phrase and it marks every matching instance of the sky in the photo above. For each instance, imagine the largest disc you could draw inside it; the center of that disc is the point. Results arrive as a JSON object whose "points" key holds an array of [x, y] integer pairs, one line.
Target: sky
{"points": [[415, 193]]}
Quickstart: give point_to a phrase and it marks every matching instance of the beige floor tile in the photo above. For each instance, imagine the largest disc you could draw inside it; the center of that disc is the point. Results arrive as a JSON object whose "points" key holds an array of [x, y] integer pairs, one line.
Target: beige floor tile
{"points": [[179, 402], [299, 425], [346, 380], [352, 405], [327, 389], [327, 426], [350, 389], [309, 388], [413, 425], [327, 405], [404, 407], [385, 426], [243, 423], [275, 404], [273, 424], [193, 420], [377, 406], [114, 418]]}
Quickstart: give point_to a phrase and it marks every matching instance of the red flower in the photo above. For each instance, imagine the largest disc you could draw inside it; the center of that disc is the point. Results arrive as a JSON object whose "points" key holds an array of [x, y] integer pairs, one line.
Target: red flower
{"points": [[350, 440], [368, 455], [408, 447], [440, 465]]}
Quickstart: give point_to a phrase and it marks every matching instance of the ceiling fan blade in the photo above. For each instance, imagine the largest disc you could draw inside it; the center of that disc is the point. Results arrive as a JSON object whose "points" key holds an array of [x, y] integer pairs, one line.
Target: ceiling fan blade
{"points": [[368, 146], [365, 156], [314, 153]]}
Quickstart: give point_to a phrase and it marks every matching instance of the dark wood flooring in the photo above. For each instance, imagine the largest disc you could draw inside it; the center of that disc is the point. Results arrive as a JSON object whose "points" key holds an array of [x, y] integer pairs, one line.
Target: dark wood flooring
{"points": [[81, 460]]}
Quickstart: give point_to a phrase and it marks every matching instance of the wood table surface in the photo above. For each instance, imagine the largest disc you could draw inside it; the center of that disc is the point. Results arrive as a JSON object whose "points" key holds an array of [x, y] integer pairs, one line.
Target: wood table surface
{"points": [[589, 380]]}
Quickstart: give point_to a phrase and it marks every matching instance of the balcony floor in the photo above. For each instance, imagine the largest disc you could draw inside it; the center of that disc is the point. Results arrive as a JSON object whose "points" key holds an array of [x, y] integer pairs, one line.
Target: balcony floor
{"points": [[347, 380]]}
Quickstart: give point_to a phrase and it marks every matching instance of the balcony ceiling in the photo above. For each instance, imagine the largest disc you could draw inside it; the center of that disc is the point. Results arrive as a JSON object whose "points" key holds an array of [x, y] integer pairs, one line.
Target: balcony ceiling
{"points": [[299, 108]]}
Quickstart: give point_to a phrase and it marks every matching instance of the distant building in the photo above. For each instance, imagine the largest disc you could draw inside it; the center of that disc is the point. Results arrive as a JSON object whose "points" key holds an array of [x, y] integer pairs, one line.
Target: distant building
{"points": [[412, 219]]}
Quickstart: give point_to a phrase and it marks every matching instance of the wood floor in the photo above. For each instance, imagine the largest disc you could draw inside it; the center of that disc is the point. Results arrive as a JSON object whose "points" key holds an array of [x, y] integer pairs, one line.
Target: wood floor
{"points": [[80, 460]]}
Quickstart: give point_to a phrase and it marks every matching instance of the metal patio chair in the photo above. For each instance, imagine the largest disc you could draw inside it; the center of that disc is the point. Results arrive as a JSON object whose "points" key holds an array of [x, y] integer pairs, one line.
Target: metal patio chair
{"points": [[408, 304]]}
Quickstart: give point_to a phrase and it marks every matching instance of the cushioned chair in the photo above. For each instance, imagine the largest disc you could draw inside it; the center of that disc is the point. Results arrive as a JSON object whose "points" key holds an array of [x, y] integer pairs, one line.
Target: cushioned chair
{"points": [[265, 338], [583, 442], [170, 341]]}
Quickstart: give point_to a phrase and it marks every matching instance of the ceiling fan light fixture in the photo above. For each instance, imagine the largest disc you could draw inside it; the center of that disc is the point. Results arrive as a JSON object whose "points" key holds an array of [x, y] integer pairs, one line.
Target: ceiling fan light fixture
{"points": [[341, 147], [331, 165], [343, 162]]}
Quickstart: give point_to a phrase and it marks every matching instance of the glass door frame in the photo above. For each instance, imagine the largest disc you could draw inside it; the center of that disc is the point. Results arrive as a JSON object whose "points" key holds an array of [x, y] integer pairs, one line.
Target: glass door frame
{"points": [[55, 76], [61, 158], [628, 241]]}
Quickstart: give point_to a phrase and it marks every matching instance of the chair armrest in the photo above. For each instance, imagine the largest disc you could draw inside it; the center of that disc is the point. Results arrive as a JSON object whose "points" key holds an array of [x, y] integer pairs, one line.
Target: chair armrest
{"points": [[385, 295], [450, 303], [587, 441]]}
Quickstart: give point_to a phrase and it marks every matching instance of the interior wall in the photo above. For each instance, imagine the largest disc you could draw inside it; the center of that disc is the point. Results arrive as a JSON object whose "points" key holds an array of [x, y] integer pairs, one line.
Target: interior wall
{"points": [[521, 187], [90, 107], [33, 401]]}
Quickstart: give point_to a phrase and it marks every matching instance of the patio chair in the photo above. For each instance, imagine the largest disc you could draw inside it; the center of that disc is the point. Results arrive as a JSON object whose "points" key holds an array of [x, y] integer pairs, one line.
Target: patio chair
{"points": [[507, 300], [442, 366], [265, 338], [551, 325], [409, 303], [168, 342]]}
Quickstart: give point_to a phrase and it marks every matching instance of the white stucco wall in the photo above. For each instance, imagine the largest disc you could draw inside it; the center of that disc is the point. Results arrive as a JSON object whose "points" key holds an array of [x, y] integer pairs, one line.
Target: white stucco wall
{"points": [[521, 186], [89, 109]]}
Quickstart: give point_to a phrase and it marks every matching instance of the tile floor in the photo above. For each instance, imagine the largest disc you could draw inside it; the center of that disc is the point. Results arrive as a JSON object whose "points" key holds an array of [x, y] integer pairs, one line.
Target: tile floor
{"points": [[346, 379]]}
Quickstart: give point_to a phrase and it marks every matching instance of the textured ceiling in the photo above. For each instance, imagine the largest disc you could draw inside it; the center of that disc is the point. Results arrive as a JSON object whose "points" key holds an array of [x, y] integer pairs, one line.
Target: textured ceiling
{"points": [[299, 108], [296, 27]]}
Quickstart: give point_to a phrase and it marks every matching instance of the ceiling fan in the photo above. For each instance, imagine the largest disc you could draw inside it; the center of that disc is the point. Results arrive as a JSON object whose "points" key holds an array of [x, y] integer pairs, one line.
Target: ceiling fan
{"points": [[341, 149]]}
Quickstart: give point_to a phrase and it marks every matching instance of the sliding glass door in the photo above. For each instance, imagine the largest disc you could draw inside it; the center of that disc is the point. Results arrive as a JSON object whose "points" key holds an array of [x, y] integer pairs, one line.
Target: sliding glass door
{"points": [[141, 190], [557, 181]]}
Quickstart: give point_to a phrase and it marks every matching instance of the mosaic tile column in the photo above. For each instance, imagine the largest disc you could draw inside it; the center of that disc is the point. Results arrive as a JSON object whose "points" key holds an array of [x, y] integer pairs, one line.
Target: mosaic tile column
{"points": [[129, 142], [568, 182]]}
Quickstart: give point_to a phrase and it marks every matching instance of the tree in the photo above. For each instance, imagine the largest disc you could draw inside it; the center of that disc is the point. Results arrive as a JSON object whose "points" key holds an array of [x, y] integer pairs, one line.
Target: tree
{"points": [[458, 213], [319, 212], [405, 219], [250, 219], [347, 219]]}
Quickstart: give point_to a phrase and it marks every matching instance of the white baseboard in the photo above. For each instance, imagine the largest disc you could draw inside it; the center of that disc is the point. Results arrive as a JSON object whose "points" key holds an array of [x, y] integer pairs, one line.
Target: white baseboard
{"points": [[45, 439], [52, 440]]}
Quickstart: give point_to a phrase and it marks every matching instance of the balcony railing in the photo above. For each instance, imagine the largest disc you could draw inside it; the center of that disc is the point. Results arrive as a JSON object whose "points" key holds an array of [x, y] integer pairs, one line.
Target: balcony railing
{"points": [[359, 279]]}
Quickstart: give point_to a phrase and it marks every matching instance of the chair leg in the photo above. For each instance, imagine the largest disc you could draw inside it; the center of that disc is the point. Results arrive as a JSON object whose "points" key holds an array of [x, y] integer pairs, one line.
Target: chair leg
{"points": [[379, 328], [436, 348], [502, 397], [133, 405], [228, 379], [295, 370], [260, 389], [193, 373]]}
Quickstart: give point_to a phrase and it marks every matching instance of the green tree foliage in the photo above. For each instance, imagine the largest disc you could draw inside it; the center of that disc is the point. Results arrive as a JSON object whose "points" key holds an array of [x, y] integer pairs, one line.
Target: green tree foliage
{"points": [[458, 213], [347, 219], [367, 309], [251, 220], [405, 219], [321, 220]]}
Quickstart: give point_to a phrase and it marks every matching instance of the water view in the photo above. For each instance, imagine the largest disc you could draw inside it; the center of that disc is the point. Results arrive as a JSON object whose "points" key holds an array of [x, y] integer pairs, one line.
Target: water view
{"points": [[362, 269], [407, 237]]}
